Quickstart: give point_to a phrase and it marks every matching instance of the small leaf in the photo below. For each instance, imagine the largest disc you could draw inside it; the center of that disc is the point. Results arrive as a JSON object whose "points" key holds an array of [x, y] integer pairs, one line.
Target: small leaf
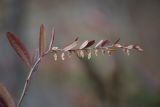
{"points": [[20, 49], [84, 44], [99, 43], [130, 47], [42, 37], [87, 44], [72, 45], [138, 48], [90, 43], [76, 39], [117, 41], [105, 42], [5, 97], [118, 45]]}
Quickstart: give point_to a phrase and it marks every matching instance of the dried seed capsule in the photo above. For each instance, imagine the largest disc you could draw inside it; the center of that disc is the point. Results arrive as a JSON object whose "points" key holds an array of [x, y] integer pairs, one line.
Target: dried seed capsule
{"points": [[54, 48], [126, 51], [103, 52], [109, 53], [69, 54], [55, 56], [81, 53], [63, 56], [89, 55], [96, 52]]}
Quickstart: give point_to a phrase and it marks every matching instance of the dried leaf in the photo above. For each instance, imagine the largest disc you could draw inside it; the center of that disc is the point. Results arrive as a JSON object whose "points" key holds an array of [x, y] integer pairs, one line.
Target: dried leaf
{"points": [[72, 45], [118, 45], [105, 42], [81, 53], [5, 97], [96, 52], [126, 51], [42, 37], [20, 49], [99, 43], [76, 39], [117, 41], [130, 47], [84, 44], [137, 47], [90, 43]]}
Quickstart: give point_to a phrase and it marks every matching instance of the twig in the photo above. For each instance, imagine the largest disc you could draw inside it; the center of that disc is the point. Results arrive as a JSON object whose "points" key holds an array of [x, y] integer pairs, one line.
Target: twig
{"points": [[28, 80]]}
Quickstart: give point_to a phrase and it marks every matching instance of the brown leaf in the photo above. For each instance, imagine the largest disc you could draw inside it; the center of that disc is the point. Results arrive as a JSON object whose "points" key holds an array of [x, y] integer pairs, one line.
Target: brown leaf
{"points": [[118, 45], [42, 37], [137, 47], [130, 47], [76, 39], [126, 51], [72, 45], [84, 44], [87, 44], [99, 43], [105, 42], [5, 97], [90, 43], [20, 49], [117, 41]]}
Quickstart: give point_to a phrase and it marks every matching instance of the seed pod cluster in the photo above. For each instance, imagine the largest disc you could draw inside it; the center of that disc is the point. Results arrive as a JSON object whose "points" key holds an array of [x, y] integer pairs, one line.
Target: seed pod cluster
{"points": [[86, 49]]}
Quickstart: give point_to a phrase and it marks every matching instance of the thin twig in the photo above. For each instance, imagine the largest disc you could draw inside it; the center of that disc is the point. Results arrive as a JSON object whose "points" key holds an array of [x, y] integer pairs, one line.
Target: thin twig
{"points": [[28, 80]]}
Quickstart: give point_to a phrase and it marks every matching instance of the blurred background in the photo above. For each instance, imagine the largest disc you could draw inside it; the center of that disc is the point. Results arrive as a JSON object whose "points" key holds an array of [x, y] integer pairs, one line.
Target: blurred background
{"points": [[103, 81]]}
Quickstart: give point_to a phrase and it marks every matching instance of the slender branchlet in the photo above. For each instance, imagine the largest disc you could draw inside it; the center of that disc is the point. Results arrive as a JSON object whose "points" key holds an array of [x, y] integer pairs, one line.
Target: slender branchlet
{"points": [[86, 49]]}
